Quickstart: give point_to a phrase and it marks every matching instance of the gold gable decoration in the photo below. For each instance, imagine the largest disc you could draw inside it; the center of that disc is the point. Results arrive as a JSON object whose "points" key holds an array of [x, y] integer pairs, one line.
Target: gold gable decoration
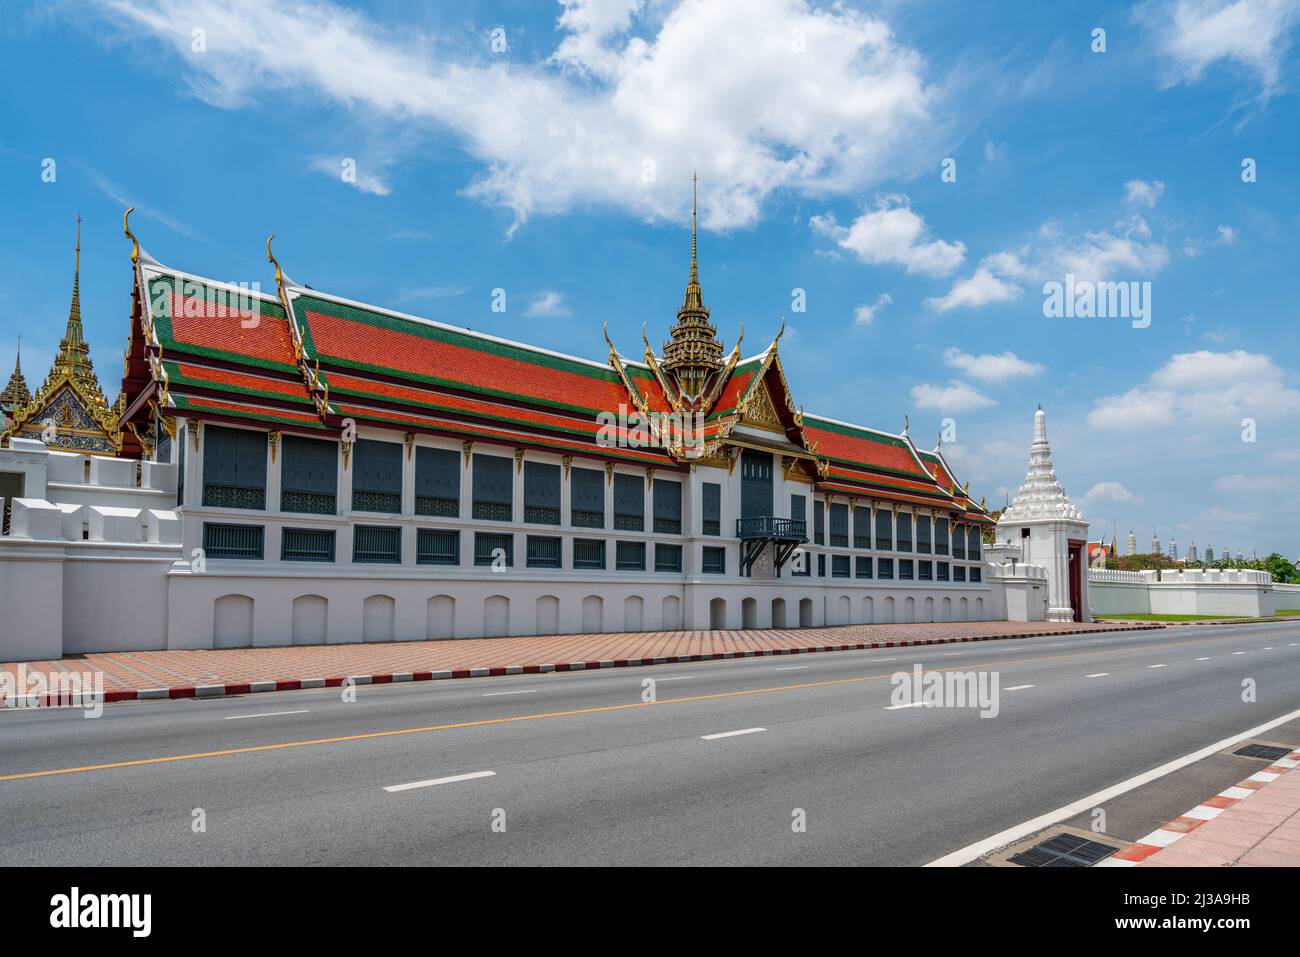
{"points": [[761, 413]]}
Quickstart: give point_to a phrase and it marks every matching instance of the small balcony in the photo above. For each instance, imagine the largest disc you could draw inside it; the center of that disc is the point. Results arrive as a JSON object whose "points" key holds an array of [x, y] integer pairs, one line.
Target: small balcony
{"points": [[755, 532], [769, 528]]}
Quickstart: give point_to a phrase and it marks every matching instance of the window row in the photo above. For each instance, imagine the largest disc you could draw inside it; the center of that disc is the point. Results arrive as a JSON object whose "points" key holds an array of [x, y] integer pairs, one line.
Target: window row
{"points": [[234, 476], [382, 544], [894, 531]]}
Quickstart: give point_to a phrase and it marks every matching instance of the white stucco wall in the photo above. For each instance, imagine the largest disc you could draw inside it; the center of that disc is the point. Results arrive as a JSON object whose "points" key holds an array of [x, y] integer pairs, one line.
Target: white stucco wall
{"points": [[1227, 592]]}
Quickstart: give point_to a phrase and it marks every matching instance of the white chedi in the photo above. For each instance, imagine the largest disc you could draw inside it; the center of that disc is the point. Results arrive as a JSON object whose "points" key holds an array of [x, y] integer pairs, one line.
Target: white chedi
{"points": [[1041, 495]]}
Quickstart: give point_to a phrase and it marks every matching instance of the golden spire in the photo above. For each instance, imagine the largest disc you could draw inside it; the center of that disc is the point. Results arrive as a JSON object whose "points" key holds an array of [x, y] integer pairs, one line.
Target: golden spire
{"points": [[73, 359], [694, 352], [15, 393]]}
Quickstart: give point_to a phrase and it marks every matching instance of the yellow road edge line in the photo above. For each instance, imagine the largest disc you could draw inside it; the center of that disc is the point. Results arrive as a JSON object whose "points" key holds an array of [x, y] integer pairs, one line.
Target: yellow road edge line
{"points": [[486, 722]]}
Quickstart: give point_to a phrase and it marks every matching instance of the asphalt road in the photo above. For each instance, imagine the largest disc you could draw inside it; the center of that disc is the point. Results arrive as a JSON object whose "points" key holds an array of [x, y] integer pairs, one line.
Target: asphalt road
{"points": [[582, 771]]}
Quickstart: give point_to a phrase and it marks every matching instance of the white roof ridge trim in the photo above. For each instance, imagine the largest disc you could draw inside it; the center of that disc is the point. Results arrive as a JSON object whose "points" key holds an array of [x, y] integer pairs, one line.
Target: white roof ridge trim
{"points": [[160, 270]]}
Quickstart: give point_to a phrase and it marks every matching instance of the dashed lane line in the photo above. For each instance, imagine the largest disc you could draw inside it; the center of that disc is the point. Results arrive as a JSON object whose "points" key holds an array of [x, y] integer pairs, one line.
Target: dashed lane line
{"points": [[453, 779], [511, 719], [731, 734], [266, 714]]}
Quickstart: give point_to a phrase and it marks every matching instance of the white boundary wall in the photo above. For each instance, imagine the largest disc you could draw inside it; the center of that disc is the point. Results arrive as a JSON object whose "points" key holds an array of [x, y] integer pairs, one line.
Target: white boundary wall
{"points": [[95, 562], [1177, 591]]}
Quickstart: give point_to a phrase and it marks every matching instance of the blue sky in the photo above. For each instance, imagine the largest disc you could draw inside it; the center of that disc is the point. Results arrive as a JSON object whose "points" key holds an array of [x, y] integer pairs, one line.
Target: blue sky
{"points": [[556, 165]]}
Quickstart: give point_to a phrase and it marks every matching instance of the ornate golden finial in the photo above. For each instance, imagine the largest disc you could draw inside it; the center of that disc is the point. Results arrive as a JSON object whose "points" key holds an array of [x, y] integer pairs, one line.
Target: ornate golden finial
{"points": [[608, 340], [905, 424], [270, 257], [126, 228], [741, 337], [695, 206], [779, 333]]}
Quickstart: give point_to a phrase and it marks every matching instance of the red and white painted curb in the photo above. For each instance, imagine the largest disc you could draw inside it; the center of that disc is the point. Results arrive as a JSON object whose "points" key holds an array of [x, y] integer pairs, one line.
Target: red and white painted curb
{"points": [[256, 687], [1189, 821]]}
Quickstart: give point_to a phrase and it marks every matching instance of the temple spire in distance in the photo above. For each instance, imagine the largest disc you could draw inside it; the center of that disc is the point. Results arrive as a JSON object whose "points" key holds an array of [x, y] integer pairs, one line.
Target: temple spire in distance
{"points": [[15, 393]]}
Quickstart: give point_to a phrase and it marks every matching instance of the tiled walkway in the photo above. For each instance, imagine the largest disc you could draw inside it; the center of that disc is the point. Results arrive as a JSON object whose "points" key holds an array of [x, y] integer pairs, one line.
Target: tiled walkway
{"points": [[171, 669], [1261, 830]]}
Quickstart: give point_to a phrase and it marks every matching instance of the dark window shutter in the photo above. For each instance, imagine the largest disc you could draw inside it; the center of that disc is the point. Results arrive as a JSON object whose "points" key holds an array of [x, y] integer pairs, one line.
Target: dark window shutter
{"points": [[493, 481], [309, 465], [588, 490], [668, 500], [629, 495], [234, 457], [437, 472], [378, 467], [712, 501], [541, 485]]}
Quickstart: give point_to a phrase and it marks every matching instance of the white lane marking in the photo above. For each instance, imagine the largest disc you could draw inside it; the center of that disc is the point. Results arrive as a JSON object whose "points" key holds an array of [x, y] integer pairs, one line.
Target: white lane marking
{"points": [[1292, 644], [1238, 652], [1099, 674], [914, 704], [1017, 688], [791, 668], [498, 694], [1267, 648], [1202, 659], [973, 851], [731, 734], [394, 788], [679, 677], [1157, 666], [266, 714]]}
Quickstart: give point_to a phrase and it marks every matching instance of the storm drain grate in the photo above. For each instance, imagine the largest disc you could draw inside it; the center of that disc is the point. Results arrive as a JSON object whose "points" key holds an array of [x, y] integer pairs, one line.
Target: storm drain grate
{"points": [[1266, 751], [1064, 850]]}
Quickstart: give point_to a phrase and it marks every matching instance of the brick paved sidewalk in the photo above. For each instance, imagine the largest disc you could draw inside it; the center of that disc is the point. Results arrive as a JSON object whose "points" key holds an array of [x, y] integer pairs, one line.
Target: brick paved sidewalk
{"points": [[1253, 824], [149, 674]]}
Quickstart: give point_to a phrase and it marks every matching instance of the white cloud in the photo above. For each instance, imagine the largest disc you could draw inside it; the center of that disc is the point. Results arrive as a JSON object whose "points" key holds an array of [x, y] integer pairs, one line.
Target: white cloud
{"points": [[983, 287], [351, 173], [1192, 35], [1253, 483], [893, 234], [760, 95], [1198, 388], [992, 368], [1124, 251], [1138, 192], [547, 303], [951, 398], [431, 292], [1110, 492], [1287, 455], [864, 315], [1223, 236]]}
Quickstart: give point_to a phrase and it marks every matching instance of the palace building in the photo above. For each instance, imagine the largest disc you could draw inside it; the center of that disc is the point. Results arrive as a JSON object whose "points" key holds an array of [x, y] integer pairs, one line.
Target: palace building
{"points": [[301, 468]]}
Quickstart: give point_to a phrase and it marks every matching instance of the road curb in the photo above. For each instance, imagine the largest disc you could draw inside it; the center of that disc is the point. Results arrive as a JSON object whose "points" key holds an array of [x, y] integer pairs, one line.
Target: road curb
{"points": [[265, 687], [1189, 821]]}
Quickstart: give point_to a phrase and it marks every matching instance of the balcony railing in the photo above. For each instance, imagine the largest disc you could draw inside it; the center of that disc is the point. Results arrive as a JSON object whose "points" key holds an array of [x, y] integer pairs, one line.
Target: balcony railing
{"points": [[771, 528]]}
